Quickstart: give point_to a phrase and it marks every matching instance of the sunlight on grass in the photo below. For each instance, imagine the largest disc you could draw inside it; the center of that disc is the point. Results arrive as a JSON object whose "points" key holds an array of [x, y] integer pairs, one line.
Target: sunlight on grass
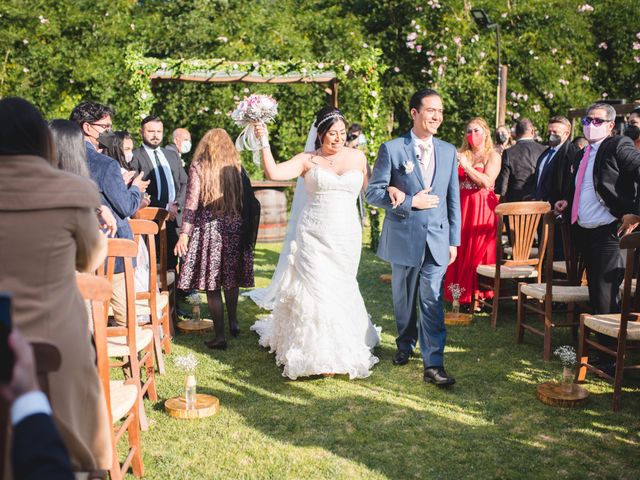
{"points": [[390, 425]]}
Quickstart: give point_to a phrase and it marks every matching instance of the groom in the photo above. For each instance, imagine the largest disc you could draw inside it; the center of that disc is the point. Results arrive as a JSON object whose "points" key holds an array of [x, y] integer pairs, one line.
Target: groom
{"points": [[421, 230]]}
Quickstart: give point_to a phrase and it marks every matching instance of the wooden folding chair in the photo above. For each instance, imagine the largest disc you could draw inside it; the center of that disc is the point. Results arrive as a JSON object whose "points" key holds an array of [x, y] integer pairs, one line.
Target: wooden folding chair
{"points": [[166, 277], [132, 343], [151, 302], [540, 297], [47, 360], [122, 397], [523, 218], [624, 327]]}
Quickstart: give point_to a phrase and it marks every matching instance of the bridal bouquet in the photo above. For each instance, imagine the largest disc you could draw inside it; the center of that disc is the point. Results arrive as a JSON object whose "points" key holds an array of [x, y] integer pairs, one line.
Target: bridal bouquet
{"points": [[252, 109]]}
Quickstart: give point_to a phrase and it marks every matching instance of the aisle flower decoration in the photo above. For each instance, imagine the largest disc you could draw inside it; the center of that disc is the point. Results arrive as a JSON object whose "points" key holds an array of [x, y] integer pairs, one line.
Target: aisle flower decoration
{"points": [[567, 356], [194, 300], [188, 364], [255, 108], [456, 292]]}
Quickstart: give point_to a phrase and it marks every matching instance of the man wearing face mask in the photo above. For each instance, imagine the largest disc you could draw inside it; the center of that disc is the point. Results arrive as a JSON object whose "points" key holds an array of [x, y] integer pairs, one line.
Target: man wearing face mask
{"points": [[601, 202], [168, 187], [633, 127], [95, 121], [181, 143], [516, 181], [553, 165]]}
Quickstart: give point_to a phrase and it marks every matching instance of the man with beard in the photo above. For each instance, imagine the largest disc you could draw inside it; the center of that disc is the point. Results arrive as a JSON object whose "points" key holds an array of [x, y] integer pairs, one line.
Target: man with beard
{"points": [[168, 179]]}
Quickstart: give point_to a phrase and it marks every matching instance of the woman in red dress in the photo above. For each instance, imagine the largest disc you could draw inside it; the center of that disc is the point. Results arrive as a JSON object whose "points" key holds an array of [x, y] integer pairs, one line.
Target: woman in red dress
{"points": [[478, 167]]}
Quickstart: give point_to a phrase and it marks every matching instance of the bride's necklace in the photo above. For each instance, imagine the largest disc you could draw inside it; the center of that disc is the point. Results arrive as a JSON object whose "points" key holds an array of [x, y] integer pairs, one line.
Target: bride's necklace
{"points": [[330, 160]]}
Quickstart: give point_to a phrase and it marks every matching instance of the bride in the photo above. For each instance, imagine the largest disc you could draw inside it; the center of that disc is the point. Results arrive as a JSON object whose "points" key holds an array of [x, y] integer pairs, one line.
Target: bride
{"points": [[319, 323]]}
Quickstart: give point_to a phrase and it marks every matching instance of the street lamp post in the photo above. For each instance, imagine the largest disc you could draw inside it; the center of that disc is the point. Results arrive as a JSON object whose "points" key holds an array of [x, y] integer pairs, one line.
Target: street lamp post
{"points": [[482, 20]]}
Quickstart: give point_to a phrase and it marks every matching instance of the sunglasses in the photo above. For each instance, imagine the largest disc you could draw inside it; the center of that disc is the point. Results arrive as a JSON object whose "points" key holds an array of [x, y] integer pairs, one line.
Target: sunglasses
{"points": [[595, 121]]}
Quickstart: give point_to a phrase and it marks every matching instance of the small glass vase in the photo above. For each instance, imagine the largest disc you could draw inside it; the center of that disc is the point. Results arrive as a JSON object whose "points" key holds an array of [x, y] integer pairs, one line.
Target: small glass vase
{"points": [[455, 307], [567, 380], [195, 313], [190, 392]]}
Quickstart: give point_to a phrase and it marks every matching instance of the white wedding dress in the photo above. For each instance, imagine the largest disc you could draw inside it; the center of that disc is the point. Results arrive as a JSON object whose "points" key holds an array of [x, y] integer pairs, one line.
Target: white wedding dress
{"points": [[319, 322]]}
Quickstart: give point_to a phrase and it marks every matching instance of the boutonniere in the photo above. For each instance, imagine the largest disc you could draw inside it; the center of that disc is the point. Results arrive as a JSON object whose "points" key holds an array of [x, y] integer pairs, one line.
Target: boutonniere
{"points": [[408, 166]]}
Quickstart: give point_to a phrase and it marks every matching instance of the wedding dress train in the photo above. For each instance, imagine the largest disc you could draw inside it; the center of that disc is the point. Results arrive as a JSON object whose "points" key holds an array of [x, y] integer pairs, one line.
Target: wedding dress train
{"points": [[319, 322]]}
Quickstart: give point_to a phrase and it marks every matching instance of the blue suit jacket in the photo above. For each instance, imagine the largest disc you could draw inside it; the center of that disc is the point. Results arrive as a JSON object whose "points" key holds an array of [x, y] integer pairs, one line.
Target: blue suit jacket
{"points": [[406, 231], [122, 200]]}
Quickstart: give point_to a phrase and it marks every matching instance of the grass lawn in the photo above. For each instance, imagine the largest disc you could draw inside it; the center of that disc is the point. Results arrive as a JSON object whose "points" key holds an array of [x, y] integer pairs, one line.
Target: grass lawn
{"points": [[392, 424]]}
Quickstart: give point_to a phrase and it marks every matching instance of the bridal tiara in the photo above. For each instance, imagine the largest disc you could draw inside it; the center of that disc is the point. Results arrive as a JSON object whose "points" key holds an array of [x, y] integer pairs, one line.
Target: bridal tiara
{"points": [[328, 117]]}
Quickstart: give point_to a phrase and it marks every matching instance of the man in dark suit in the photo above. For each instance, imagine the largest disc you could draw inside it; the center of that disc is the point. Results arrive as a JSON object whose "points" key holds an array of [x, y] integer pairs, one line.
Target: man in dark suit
{"points": [[37, 451], [552, 170], [167, 177], [602, 192], [516, 181]]}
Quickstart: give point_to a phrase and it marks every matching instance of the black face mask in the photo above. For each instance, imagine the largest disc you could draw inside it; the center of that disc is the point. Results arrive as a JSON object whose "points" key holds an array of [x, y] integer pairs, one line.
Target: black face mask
{"points": [[106, 139], [633, 132], [554, 140], [501, 137]]}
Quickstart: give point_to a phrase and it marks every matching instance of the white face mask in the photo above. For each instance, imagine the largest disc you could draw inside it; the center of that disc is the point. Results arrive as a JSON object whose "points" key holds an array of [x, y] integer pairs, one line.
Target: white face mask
{"points": [[186, 146], [128, 156], [594, 134]]}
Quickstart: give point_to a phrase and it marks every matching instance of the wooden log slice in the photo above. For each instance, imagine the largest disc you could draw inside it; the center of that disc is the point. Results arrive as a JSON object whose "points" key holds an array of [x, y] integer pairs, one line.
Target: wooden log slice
{"points": [[451, 318], [385, 278], [206, 406], [197, 326], [550, 393]]}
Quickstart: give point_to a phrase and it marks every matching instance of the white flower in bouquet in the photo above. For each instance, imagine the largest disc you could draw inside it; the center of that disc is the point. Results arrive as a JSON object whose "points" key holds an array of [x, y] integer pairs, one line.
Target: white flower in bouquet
{"points": [[194, 299], [187, 362], [456, 291], [567, 355], [254, 108]]}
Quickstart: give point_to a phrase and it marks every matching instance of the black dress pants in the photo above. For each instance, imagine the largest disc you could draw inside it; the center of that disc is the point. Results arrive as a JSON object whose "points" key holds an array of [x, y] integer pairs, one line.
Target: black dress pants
{"points": [[604, 263]]}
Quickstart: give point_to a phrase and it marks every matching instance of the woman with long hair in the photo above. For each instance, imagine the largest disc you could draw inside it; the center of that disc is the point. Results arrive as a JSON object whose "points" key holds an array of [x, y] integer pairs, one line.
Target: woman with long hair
{"points": [[478, 167], [215, 244]]}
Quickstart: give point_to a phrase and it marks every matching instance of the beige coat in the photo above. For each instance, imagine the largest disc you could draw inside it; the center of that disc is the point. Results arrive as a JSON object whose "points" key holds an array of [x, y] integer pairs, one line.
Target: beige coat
{"points": [[48, 229]]}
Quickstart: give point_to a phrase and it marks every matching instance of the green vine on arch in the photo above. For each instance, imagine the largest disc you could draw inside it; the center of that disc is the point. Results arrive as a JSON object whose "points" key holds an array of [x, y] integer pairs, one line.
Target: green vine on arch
{"points": [[362, 75]]}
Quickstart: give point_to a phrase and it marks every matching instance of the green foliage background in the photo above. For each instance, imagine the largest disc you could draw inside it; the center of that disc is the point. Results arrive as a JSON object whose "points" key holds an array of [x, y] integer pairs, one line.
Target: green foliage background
{"points": [[59, 53]]}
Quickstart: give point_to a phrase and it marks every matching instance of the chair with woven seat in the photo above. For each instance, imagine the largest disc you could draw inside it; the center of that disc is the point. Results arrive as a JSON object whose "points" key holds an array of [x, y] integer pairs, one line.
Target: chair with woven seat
{"points": [[623, 327], [121, 396], [540, 297], [167, 278], [146, 231], [132, 343], [523, 218]]}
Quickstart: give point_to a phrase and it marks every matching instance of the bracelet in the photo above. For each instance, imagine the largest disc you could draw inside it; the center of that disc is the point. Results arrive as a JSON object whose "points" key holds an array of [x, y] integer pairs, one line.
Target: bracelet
{"points": [[264, 142], [98, 210]]}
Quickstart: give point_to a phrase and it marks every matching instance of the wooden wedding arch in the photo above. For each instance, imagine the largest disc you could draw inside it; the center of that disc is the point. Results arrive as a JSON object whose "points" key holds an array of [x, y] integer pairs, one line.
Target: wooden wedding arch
{"points": [[362, 73]]}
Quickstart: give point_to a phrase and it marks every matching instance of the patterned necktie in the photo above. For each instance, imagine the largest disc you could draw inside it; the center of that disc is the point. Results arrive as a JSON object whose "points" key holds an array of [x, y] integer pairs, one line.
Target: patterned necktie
{"points": [[163, 194], [579, 179], [426, 163]]}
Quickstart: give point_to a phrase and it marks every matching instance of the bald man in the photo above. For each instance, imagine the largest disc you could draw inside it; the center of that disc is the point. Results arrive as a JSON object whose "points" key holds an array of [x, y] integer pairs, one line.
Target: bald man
{"points": [[181, 142]]}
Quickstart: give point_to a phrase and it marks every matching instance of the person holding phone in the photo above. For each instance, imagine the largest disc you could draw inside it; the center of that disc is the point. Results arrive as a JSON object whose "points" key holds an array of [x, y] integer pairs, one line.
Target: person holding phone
{"points": [[48, 231]]}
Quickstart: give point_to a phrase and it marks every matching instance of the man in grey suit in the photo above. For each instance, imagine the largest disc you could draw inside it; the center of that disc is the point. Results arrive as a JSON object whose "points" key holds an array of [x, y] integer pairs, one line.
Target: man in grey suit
{"points": [[415, 179], [163, 168]]}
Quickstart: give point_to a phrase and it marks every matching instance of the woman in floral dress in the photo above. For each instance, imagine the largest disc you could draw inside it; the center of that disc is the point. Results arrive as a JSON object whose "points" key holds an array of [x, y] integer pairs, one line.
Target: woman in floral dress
{"points": [[219, 227]]}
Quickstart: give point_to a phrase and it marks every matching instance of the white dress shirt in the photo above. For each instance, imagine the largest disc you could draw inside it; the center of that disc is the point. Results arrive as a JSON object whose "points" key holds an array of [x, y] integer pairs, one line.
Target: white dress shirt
{"points": [[592, 211], [417, 149], [164, 164], [28, 404]]}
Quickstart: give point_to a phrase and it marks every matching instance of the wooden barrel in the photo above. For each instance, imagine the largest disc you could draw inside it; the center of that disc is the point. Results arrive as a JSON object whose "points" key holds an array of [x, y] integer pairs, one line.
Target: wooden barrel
{"points": [[273, 215]]}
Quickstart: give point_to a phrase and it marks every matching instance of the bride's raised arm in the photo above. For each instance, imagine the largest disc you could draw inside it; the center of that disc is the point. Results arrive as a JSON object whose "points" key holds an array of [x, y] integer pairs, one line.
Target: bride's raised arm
{"points": [[292, 168]]}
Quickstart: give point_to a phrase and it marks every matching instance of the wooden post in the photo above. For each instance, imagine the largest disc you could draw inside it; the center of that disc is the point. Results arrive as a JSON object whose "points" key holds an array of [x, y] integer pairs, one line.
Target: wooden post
{"points": [[334, 92], [501, 97]]}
